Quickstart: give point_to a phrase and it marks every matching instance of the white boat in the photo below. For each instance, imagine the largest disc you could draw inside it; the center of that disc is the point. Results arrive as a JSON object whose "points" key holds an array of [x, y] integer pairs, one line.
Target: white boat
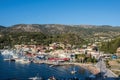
{"points": [[35, 78], [6, 52], [22, 60], [15, 56], [7, 59], [92, 76], [73, 71], [51, 65], [52, 78]]}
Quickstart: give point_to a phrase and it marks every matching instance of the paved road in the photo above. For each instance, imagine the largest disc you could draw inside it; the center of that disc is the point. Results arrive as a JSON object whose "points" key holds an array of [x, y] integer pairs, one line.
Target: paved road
{"points": [[106, 74]]}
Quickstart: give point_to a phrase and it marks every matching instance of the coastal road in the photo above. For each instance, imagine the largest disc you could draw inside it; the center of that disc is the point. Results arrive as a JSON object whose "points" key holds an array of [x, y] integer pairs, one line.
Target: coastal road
{"points": [[106, 74]]}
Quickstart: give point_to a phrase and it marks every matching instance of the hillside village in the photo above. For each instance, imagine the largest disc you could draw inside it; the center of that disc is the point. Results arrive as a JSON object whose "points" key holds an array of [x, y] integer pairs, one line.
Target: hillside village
{"points": [[60, 50], [62, 43]]}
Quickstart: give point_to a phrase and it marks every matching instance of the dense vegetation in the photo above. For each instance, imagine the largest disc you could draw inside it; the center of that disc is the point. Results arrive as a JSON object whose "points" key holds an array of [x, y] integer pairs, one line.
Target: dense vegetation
{"points": [[45, 34], [11, 39], [111, 46], [83, 58]]}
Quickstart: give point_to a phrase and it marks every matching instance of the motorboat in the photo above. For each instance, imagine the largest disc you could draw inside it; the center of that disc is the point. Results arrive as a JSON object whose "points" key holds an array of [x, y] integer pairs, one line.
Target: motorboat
{"points": [[35, 78], [22, 60], [6, 59], [52, 78], [73, 71], [51, 65]]}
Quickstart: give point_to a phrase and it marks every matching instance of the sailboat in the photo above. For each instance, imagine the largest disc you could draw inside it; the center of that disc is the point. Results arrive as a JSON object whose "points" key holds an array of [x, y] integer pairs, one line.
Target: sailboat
{"points": [[73, 71]]}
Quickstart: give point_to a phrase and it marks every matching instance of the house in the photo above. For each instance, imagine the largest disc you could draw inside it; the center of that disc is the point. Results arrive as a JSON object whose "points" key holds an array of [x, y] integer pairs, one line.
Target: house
{"points": [[62, 45], [95, 54], [18, 46]]}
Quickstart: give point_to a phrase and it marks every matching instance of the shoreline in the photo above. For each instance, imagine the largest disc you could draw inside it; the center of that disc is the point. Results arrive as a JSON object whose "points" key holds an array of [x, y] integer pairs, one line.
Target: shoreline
{"points": [[90, 67]]}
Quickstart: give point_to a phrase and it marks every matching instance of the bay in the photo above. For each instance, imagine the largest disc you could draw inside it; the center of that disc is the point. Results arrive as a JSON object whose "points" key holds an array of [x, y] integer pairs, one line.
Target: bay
{"points": [[18, 71]]}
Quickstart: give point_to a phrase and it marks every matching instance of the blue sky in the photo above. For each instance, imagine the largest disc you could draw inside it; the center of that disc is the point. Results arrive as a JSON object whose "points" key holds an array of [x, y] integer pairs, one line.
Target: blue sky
{"points": [[93, 12]]}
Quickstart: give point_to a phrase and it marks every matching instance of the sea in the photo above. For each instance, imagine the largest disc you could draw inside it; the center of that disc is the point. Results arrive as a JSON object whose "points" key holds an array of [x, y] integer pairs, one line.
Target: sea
{"points": [[17, 71]]}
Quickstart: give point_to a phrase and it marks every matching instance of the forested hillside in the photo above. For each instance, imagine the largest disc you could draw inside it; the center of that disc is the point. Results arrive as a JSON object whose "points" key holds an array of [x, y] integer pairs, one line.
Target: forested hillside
{"points": [[111, 46], [45, 34]]}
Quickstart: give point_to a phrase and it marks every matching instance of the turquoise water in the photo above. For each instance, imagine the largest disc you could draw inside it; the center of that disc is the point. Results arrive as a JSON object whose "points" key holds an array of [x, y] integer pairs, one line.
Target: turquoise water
{"points": [[17, 71]]}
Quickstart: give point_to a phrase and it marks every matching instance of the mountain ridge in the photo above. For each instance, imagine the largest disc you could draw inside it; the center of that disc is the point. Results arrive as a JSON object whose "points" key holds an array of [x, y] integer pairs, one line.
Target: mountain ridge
{"points": [[59, 28], [50, 33]]}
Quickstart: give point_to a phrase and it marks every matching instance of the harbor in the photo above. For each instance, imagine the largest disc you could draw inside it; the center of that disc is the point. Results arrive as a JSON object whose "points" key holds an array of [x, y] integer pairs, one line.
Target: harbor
{"points": [[23, 58], [75, 64], [14, 70]]}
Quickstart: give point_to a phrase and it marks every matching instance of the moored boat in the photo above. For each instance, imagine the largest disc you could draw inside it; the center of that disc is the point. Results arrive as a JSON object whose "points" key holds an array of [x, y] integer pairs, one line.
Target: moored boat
{"points": [[22, 60], [7, 59], [52, 78], [73, 71], [36, 78]]}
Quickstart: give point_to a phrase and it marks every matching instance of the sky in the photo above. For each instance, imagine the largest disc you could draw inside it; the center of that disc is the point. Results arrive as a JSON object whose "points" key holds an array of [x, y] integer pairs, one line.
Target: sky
{"points": [[71, 12]]}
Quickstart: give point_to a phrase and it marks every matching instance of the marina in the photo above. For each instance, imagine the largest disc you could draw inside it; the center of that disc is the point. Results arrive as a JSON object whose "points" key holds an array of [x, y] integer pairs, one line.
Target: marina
{"points": [[13, 70]]}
